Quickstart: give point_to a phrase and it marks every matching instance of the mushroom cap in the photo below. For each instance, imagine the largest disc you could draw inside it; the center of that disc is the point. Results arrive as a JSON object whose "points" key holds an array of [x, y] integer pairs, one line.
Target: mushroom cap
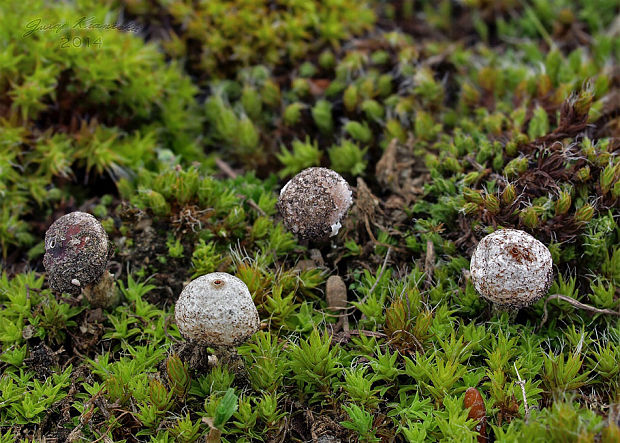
{"points": [[511, 268], [216, 309], [314, 202], [76, 252]]}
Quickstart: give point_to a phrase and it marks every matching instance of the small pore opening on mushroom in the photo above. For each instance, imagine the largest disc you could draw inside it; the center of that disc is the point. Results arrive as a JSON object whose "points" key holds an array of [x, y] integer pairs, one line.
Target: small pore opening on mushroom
{"points": [[218, 282]]}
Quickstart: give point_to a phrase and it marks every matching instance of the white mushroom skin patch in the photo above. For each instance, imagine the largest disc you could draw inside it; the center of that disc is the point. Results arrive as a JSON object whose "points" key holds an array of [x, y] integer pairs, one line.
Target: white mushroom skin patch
{"points": [[216, 309], [335, 228], [511, 268]]}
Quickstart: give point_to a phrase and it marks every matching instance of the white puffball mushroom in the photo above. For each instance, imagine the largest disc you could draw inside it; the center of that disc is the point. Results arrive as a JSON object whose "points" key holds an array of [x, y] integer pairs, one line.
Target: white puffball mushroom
{"points": [[216, 310], [511, 268], [314, 202]]}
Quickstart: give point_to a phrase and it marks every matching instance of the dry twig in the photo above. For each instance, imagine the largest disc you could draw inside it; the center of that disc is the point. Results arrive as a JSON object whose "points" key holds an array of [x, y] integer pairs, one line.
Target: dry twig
{"points": [[372, 288], [521, 383], [576, 304], [429, 264], [225, 168]]}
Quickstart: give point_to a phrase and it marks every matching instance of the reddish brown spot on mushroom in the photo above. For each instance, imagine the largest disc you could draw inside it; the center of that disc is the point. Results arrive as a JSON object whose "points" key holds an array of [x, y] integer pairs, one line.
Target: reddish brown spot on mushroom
{"points": [[58, 246], [520, 253], [511, 268]]}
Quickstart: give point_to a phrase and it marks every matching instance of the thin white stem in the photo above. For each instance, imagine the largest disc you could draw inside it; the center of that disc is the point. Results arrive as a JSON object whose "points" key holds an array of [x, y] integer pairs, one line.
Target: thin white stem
{"points": [[522, 384]]}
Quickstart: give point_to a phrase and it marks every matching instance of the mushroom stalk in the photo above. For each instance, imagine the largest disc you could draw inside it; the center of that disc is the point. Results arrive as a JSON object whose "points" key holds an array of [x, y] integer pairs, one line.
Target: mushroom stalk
{"points": [[102, 293]]}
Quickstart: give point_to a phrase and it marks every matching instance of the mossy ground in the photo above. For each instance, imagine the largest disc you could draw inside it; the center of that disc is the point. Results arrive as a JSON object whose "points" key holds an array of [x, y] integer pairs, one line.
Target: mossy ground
{"points": [[449, 119]]}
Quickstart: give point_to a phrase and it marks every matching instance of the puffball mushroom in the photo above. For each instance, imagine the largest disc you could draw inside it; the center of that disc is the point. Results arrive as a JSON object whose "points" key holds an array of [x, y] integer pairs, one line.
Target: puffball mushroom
{"points": [[216, 310], [511, 268], [314, 202], [76, 256]]}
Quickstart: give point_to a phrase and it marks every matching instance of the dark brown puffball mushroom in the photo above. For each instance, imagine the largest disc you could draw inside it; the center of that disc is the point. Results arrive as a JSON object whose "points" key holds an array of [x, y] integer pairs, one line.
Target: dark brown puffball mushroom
{"points": [[314, 202], [511, 268], [76, 252]]}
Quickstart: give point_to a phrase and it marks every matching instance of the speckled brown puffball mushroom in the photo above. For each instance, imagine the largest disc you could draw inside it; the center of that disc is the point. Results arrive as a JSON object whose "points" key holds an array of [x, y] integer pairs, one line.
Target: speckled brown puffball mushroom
{"points": [[511, 269], [76, 256], [216, 310], [314, 202]]}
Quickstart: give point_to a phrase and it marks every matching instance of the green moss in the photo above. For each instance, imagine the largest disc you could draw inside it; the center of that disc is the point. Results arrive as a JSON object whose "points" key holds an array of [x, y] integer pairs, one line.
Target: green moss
{"points": [[101, 110], [279, 33]]}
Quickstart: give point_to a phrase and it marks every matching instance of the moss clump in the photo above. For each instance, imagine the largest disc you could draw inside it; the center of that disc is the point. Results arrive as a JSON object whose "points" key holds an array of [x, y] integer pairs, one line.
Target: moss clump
{"points": [[89, 113], [219, 37]]}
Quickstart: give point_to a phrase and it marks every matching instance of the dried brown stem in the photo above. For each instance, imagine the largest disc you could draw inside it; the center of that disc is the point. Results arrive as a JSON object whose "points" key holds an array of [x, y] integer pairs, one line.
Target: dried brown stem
{"points": [[372, 288], [576, 304], [429, 263], [521, 383], [253, 204], [225, 168]]}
